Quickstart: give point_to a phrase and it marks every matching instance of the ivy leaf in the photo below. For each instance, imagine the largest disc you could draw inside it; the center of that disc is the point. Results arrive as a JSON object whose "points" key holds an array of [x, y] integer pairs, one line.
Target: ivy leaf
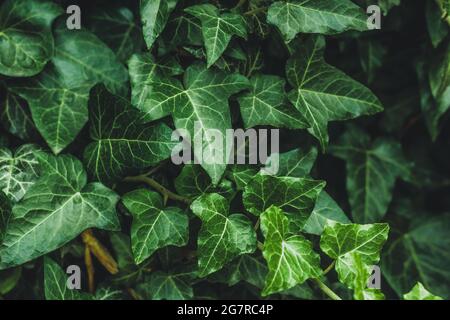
{"points": [[182, 30], [58, 107], [154, 16], [355, 248], [241, 175], [117, 28], [372, 169], [293, 195], [290, 258], [121, 140], [437, 28], [193, 181], [88, 61], [175, 285], [222, 237], [144, 70], [295, 163], [315, 16], [266, 104], [420, 293], [5, 214], [200, 106], [325, 212], [18, 171], [15, 116], [323, 93], [420, 254], [56, 208], [26, 36], [217, 29], [55, 284], [154, 226]]}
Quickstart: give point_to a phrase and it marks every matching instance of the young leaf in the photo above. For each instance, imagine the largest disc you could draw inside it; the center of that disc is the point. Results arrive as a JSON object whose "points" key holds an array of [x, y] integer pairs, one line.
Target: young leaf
{"points": [[420, 293], [294, 195], [290, 258], [201, 103], [222, 237], [121, 140], [154, 226], [315, 16], [266, 104], [18, 171], [154, 16], [355, 248], [217, 29], [372, 169], [56, 208], [26, 36], [323, 93]]}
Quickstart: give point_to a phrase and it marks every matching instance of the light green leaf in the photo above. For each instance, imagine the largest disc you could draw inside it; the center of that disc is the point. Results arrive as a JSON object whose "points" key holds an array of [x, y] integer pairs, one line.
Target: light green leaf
{"points": [[154, 226], [420, 293], [217, 29], [325, 212], [55, 209], [315, 16], [222, 237], [121, 140], [420, 254], [355, 248], [267, 104], [200, 106], [58, 107], [85, 60], [290, 258], [143, 71], [26, 42], [154, 16], [323, 93], [18, 171], [55, 284], [372, 169], [293, 195]]}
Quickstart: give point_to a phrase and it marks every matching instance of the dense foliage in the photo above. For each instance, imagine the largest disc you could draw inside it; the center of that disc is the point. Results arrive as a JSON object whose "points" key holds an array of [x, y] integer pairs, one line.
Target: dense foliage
{"points": [[87, 118]]}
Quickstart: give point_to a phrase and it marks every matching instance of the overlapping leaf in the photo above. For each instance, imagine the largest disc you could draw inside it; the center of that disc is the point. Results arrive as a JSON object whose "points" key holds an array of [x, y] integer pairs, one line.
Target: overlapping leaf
{"points": [[121, 140], [315, 16], [26, 41], [217, 29], [420, 293], [290, 258], [18, 171], [56, 208], [153, 225], [323, 93], [372, 169], [222, 236], [200, 107], [266, 104], [154, 16]]}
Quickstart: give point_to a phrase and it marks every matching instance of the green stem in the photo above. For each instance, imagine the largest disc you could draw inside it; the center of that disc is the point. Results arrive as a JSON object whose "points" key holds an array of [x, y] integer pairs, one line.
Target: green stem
{"points": [[260, 246], [255, 11], [330, 293], [329, 268], [161, 189], [240, 4]]}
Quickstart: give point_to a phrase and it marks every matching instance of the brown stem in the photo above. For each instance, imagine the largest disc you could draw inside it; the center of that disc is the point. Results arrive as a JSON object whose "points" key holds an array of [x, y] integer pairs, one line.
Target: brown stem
{"points": [[90, 269], [99, 251], [161, 189]]}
